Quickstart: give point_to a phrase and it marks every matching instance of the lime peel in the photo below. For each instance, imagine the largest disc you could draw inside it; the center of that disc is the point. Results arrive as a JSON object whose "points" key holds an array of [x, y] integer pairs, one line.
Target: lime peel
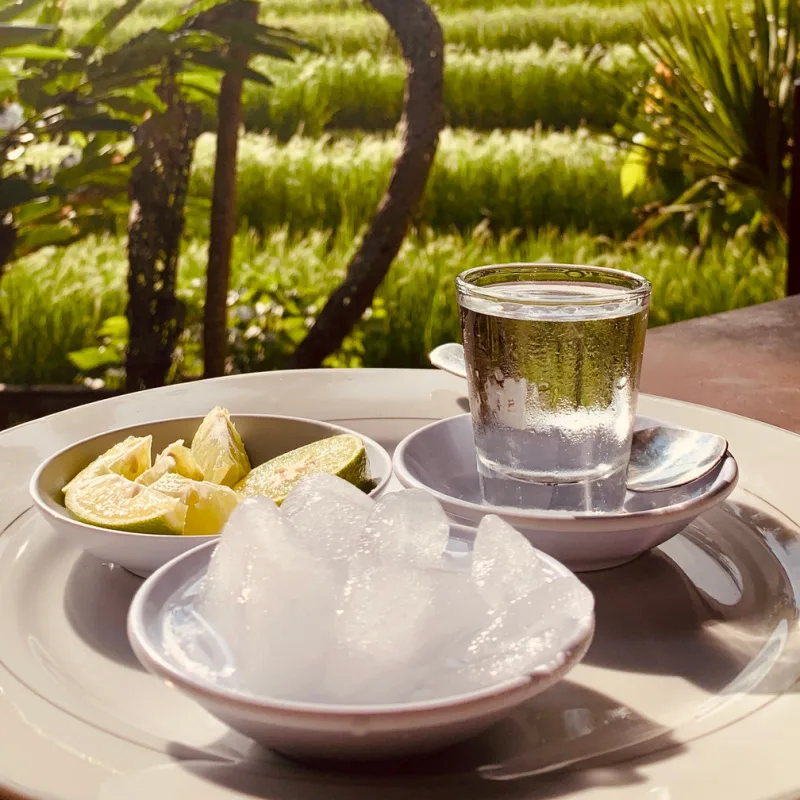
{"points": [[112, 501], [344, 456]]}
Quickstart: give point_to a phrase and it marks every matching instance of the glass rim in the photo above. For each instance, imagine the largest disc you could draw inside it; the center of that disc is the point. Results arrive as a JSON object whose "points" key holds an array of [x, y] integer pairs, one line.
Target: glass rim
{"points": [[640, 287]]}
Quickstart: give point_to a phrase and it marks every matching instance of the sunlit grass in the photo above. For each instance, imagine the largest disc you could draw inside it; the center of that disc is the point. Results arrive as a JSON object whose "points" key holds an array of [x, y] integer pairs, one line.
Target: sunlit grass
{"points": [[484, 90], [503, 27], [514, 180], [53, 302]]}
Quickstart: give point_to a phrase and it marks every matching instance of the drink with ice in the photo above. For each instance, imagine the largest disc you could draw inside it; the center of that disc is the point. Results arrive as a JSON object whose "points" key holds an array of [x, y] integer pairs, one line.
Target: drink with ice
{"points": [[553, 358]]}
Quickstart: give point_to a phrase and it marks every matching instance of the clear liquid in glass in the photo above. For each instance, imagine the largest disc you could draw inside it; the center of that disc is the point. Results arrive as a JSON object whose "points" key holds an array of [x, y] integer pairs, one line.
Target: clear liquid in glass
{"points": [[553, 372]]}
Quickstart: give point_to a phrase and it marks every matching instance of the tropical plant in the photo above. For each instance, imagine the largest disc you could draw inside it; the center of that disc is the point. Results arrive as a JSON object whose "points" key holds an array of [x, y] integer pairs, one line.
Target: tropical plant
{"points": [[717, 111], [49, 96], [195, 51]]}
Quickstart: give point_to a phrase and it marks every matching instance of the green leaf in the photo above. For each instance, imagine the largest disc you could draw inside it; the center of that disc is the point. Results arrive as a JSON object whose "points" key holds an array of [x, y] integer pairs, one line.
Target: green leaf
{"points": [[16, 35], [38, 236], [37, 209], [180, 20], [17, 8], [91, 358], [114, 328], [219, 62], [634, 172], [95, 123], [51, 13], [37, 52], [14, 191], [201, 80], [100, 31]]}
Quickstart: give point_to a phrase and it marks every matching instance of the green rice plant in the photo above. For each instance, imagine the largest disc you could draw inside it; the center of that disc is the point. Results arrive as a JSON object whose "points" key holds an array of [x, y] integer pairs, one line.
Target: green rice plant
{"points": [[513, 180], [557, 87], [83, 10], [53, 302], [513, 27]]}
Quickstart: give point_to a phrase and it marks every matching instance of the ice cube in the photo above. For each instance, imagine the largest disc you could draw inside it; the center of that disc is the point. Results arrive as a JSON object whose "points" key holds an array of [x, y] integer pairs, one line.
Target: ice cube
{"points": [[529, 633], [379, 630], [461, 613], [505, 566], [270, 600], [247, 531], [408, 526], [287, 622], [329, 515]]}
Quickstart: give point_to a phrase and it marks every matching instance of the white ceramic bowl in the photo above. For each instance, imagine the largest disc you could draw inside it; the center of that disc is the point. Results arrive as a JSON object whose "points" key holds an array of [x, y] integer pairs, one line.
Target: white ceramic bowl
{"points": [[440, 458], [339, 732], [264, 437]]}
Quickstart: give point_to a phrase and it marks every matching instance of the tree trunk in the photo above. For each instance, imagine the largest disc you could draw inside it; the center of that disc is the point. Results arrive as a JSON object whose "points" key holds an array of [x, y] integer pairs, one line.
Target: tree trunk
{"points": [[793, 224], [420, 38], [158, 187], [223, 206], [8, 239]]}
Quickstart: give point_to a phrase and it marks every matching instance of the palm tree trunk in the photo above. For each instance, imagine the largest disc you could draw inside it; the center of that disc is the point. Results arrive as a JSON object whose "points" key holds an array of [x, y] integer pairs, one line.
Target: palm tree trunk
{"points": [[420, 37], [159, 184], [223, 205]]}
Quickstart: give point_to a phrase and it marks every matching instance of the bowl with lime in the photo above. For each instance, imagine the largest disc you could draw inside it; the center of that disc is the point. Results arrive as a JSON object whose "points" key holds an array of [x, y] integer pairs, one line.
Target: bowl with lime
{"points": [[140, 496]]}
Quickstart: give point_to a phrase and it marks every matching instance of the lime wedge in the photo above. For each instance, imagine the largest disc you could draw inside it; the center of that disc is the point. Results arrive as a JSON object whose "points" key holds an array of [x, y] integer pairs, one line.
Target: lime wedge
{"points": [[129, 458], [111, 501], [219, 450], [343, 456], [209, 504], [173, 458]]}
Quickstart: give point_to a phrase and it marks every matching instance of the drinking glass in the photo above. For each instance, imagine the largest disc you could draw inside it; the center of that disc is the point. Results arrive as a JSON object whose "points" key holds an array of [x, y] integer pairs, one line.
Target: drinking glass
{"points": [[553, 355]]}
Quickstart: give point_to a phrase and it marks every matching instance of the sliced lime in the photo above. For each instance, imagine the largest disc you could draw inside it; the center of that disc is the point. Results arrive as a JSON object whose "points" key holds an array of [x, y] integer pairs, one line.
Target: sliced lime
{"points": [[111, 501], [173, 458], [209, 504], [219, 450], [344, 456], [129, 458]]}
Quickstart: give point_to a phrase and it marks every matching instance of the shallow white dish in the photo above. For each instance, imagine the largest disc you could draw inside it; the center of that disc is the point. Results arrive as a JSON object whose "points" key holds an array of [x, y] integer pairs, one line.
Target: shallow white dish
{"points": [[440, 458], [265, 436], [350, 732]]}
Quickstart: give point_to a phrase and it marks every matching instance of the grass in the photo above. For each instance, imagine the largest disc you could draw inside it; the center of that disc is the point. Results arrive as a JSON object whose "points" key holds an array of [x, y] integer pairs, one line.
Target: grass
{"points": [[484, 90], [513, 27], [81, 12], [42, 317], [50, 304], [521, 180]]}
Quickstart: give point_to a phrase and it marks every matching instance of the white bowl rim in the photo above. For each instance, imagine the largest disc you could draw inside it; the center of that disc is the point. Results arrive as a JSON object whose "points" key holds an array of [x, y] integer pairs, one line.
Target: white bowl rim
{"points": [[722, 486], [148, 655], [47, 509]]}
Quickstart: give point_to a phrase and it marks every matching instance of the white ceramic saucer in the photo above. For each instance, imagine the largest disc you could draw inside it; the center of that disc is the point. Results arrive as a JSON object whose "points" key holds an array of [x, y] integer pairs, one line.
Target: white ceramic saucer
{"points": [[440, 458], [357, 732]]}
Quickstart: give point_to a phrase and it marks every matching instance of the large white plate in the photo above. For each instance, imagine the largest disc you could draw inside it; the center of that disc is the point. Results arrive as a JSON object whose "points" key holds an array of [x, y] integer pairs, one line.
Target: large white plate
{"points": [[690, 691]]}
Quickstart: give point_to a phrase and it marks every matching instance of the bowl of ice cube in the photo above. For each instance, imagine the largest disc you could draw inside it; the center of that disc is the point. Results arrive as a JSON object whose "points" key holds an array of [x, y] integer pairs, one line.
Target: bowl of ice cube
{"points": [[142, 495], [339, 627]]}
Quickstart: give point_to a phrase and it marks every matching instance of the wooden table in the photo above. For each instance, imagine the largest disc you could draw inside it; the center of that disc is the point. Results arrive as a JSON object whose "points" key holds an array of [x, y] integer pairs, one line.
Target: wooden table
{"points": [[745, 361]]}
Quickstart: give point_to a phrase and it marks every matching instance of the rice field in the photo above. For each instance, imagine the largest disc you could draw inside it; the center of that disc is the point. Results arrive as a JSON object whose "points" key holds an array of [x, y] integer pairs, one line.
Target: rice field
{"points": [[502, 27], [42, 316], [524, 171], [484, 90], [518, 179]]}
